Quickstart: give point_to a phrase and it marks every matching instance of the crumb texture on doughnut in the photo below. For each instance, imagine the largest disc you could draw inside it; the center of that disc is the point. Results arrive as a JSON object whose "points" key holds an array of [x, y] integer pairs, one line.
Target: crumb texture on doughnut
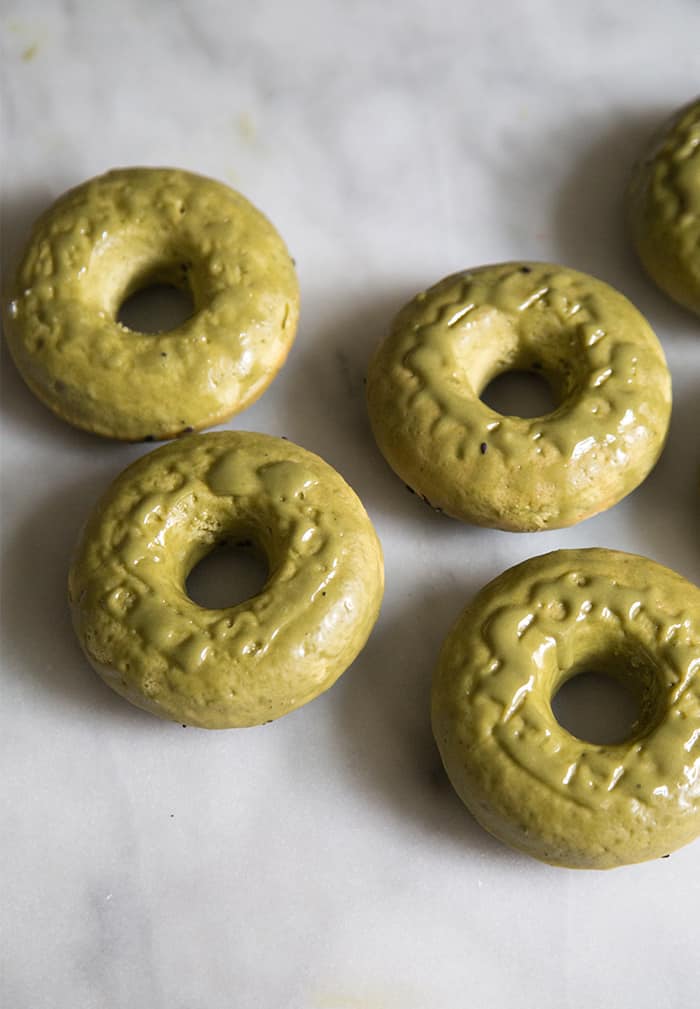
{"points": [[525, 778], [124, 231], [664, 208], [600, 356], [245, 664]]}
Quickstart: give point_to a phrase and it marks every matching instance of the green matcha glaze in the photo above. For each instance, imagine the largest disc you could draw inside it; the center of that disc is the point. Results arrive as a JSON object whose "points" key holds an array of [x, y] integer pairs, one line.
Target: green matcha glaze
{"points": [[119, 233], [598, 353], [264, 657], [525, 778], [664, 208]]}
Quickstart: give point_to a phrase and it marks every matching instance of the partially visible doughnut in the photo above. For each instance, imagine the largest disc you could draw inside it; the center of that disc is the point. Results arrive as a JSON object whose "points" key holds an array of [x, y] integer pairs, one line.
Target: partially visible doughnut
{"points": [[664, 208], [525, 778]]}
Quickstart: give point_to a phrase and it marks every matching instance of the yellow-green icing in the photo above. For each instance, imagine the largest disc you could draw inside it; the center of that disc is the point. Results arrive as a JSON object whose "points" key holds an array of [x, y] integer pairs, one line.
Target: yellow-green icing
{"points": [[525, 778], [249, 663], [603, 361], [664, 208], [121, 232]]}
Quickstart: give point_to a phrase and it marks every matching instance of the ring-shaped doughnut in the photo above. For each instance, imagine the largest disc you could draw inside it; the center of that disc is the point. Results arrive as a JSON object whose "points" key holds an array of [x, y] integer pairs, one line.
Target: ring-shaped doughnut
{"points": [[248, 663], [664, 208], [122, 232], [526, 779], [604, 363]]}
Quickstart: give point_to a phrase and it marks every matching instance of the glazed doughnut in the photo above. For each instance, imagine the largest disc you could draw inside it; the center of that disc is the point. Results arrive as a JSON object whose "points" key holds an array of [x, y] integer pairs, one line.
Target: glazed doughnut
{"points": [[600, 356], [664, 208], [249, 663], [526, 779], [115, 235]]}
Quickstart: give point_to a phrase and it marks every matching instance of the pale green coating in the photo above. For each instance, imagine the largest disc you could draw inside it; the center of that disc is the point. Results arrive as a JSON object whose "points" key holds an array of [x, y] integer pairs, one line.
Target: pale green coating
{"points": [[117, 234], [600, 356], [664, 208], [525, 778], [249, 663]]}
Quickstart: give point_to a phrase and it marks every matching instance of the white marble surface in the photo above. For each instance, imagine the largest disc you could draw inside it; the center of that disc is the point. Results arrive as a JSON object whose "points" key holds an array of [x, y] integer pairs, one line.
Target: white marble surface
{"points": [[323, 862]]}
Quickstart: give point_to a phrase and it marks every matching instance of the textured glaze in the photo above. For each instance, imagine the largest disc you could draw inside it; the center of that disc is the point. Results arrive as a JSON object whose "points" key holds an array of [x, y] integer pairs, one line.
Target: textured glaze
{"points": [[249, 663], [525, 778], [600, 356], [117, 234], [664, 206]]}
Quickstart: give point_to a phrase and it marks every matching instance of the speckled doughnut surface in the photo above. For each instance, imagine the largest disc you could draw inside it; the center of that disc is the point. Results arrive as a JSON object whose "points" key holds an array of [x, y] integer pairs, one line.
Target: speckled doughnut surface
{"points": [[605, 366], [664, 208], [124, 231], [249, 663], [524, 777]]}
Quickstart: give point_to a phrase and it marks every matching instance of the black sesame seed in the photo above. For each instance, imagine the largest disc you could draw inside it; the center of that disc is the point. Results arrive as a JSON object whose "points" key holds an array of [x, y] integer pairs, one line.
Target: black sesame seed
{"points": [[483, 448], [149, 437], [526, 269]]}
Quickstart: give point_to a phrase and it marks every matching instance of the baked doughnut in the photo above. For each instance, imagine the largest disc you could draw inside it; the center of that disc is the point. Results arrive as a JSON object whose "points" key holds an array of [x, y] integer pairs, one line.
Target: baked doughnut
{"points": [[664, 208], [606, 368], [525, 778], [115, 235], [249, 663]]}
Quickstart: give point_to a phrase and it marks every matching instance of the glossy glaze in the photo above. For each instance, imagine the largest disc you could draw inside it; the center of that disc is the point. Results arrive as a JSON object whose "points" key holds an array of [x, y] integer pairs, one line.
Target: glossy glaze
{"points": [[524, 777], [249, 663], [664, 206], [117, 234], [600, 356]]}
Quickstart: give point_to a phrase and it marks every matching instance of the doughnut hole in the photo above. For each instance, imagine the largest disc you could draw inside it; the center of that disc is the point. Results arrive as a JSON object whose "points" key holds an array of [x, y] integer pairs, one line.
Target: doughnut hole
{"points": [[157, 300], [610, 697], [519, 393], [229, 573], [156, 308]]}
